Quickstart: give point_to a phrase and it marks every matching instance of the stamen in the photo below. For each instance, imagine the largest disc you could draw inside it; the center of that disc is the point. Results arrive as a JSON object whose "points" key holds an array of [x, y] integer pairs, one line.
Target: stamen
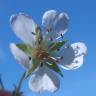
{"points": [[58, 49], [41, 64], [78, 47], [50, 38], [33, 33], [61, 35], [29, 58], [76, 61], [83, 53], [53, 58], [62, 57], [49, 30], [40, 56], [57, 61]]}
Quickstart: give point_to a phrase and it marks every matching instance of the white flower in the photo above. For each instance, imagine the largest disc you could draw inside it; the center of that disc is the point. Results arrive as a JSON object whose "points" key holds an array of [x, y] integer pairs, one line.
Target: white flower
{"points": [[40, 50]]}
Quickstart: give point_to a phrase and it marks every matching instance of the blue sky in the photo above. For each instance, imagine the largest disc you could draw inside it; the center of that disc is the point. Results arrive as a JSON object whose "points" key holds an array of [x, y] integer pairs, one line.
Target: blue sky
{"points": [[82, 27]]}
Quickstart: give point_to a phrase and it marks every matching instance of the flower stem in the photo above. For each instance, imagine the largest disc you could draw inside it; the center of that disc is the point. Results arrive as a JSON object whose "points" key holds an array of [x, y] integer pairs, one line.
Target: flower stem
{"points": [[17, 92], [21, 81]]}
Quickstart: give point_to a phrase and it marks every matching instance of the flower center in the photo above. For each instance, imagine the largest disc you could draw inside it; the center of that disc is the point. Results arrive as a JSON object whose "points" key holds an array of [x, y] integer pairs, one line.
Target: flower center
{"points": [[41, 54]]}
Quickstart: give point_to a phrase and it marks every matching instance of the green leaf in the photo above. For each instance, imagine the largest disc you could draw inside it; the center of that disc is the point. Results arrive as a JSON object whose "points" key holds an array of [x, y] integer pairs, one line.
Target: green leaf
{"points": [[32, 67], [26, 48], [52, 65], [56, 45]]}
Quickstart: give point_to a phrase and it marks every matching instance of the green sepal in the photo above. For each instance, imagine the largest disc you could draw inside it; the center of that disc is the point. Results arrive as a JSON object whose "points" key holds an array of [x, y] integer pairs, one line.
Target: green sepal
{"points": [[32, 67], [56, 45], [53, 66], [38, 35], [26, 48]]}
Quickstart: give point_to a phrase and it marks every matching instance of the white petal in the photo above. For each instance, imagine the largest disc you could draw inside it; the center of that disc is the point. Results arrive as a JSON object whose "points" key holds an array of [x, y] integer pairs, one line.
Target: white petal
{"points": [[48, 18], [20, 56], [44, 80], [54, 22], [48, 21], [23, 26], [73, 56], [61, 24]]}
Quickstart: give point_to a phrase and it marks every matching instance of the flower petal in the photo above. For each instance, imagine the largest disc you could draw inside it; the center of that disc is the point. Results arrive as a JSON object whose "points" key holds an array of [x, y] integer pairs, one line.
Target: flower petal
{"points": [[48, 21], [61, 25], [44, 80], [73, 56], [20, 56], [24, 27], [55, 24]]}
